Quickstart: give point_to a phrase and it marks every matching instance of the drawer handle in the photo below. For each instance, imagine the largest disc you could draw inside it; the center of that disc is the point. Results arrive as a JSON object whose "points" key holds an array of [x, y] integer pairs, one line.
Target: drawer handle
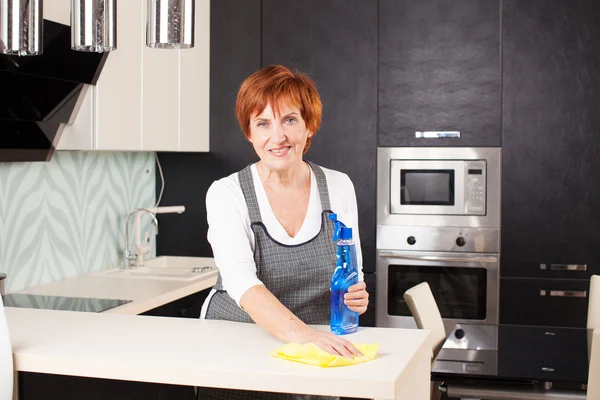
{"points": [[564, 293], [563, 267], [437, 134]]}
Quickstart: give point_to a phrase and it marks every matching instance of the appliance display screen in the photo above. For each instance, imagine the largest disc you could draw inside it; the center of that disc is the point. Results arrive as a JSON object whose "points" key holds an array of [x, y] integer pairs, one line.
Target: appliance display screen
{"points": [[427, 187]]}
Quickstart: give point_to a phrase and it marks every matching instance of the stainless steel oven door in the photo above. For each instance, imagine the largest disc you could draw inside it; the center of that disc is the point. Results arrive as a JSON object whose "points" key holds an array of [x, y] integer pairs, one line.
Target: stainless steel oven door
{"points": [[464, 285]]}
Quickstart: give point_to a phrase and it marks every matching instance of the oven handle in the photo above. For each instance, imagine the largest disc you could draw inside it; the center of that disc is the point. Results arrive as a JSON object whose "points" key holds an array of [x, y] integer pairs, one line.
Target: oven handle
{"points": [[404, 256]]}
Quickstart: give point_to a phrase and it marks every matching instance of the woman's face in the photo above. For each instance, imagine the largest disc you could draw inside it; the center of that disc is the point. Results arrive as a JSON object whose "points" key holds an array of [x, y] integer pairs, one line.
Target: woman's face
{"points": [[279, 140]]}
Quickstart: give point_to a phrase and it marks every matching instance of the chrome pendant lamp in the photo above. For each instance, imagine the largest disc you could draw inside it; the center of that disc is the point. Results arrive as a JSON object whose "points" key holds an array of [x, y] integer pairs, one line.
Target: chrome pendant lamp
{"points": [[94, 25], [170, 24], [21, 27]]}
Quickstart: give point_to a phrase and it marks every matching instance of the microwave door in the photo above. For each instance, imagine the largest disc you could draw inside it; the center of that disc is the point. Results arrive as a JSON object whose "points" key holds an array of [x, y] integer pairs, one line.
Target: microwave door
{"points": [[427, 187]]}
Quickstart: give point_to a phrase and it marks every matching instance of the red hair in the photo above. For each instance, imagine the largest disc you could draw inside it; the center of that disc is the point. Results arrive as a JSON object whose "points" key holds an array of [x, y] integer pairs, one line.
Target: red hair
{"points": [[277, 85]]}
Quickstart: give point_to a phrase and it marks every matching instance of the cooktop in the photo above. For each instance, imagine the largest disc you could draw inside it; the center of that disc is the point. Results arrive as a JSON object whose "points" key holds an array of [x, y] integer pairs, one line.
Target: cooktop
{"points": [[515, 353], [60, 302]]}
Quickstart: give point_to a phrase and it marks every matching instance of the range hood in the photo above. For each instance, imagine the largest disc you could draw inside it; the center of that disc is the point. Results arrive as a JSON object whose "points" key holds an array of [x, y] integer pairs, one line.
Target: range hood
{"points": [[39, 93]]}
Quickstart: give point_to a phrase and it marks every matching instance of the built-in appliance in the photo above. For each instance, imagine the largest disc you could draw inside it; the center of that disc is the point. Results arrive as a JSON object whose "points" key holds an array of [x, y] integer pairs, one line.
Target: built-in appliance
{"points": [[22, 300], [438, 221], [438, 187]]}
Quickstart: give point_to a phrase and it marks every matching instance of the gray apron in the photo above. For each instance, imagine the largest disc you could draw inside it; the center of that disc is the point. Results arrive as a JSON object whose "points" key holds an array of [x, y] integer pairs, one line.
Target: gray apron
{"points": [[298, 275]]}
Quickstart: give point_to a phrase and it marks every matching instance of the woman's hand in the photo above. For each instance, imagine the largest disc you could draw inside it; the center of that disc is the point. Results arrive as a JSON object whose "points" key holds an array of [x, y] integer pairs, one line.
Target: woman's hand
{"points": [[357, 298], [332, 344]]}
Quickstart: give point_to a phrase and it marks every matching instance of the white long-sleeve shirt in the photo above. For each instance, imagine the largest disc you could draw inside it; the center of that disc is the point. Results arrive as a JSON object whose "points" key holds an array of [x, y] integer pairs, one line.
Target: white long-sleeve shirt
{"points": [[231, 236]]}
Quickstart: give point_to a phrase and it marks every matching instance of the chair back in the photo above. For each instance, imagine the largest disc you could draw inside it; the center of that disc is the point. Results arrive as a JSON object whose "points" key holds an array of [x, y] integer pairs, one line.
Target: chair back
{"points": [[6, 361], [593, 387], [424, 309], [593, 317]]}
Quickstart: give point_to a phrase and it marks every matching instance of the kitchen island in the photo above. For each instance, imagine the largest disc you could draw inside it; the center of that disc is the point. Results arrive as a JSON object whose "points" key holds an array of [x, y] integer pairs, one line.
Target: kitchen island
{"points": [[220, 354]]}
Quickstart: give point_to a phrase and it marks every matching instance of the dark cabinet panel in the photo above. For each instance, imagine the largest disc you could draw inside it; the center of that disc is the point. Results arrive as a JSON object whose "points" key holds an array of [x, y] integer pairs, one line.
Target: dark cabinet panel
{"points": [[546, 302], [186, 307], [33, 386], [547, 269], [335, 43], [551, 150], [439, 70]]}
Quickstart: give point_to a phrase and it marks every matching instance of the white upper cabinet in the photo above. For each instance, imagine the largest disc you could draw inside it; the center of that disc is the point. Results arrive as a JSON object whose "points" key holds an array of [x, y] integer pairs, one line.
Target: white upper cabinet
{"points": [[194, 90], [145, 99], [58, 11]]}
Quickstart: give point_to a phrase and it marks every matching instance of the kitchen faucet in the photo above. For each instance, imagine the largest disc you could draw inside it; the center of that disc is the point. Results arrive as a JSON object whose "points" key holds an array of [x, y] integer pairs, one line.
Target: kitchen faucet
{"points": [[140, 249]]}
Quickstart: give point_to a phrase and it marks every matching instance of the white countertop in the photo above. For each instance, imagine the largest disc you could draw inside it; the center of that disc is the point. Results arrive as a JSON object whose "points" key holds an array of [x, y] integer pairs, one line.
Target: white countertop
{"points": [[202, 353], [145, 293]]}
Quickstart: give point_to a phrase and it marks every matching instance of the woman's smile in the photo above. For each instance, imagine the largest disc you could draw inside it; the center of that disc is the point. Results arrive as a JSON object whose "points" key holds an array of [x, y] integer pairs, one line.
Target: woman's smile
{"points": [[280, 151]]}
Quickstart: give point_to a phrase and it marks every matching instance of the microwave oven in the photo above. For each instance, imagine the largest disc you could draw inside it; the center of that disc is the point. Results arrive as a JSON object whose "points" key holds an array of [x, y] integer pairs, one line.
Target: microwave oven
{"points": [[452, 187], [440, 186]]}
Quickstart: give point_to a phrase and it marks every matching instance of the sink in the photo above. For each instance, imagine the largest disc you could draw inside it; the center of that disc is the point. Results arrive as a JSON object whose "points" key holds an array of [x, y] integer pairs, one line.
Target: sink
{"points": [[169, 268]]}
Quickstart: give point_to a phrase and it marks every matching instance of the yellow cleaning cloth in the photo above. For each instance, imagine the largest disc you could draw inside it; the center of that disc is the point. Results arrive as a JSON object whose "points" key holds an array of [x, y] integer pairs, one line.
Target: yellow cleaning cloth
{"points": [[311, 354]]}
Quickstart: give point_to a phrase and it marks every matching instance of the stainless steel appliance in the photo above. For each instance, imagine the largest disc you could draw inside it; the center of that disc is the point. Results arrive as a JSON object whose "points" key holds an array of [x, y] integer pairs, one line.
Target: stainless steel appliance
{"points": [[438, 220], [438, 186]]}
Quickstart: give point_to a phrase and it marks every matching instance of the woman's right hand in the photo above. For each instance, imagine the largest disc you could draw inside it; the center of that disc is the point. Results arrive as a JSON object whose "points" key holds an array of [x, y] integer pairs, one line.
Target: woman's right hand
{"points": [[332, 344]]}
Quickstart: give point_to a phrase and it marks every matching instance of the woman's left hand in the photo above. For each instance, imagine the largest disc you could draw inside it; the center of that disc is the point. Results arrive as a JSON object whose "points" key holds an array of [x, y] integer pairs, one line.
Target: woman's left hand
{"points": [[357, 298]]}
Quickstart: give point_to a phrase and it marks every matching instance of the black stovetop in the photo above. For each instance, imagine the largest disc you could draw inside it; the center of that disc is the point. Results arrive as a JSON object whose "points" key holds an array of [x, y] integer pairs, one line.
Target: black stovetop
{"points": [[60, 302], [515, 352]]}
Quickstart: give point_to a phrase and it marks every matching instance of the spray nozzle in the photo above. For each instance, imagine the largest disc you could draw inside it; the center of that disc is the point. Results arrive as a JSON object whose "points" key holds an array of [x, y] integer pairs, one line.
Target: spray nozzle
{"points": [[339, 229]]}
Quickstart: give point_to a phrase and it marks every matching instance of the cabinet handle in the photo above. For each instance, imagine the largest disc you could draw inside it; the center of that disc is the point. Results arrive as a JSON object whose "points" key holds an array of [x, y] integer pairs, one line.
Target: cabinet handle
{"points": [[564, 293], [437, 134], [564, 267]]}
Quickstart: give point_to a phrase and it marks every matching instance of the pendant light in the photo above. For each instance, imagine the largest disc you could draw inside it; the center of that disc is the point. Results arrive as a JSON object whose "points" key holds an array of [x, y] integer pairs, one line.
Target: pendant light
{"points": [[21, 27], [170, 24], [94, 25]]}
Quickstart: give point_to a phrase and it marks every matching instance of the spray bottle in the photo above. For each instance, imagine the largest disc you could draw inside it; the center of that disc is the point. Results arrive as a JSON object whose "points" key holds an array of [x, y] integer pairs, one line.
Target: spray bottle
{"points": [[343, 320]]}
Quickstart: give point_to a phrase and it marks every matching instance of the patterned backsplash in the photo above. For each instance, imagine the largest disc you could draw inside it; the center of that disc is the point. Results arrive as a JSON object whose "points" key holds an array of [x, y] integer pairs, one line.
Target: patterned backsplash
{"points": [[67, 217]]}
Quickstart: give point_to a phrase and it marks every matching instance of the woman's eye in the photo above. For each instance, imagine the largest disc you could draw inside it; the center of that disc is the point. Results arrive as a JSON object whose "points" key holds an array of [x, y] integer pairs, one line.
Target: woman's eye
{"points": [[290, 120], [261, 124]]}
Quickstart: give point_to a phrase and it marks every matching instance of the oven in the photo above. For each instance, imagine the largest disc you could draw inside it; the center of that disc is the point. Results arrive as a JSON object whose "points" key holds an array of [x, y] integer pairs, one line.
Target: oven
{"points": [[434, 227]]}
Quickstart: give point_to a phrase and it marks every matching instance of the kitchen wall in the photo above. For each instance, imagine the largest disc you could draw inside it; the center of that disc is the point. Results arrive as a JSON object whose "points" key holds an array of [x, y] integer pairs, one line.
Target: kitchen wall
{"points": [[327, 51], [67, 217]]}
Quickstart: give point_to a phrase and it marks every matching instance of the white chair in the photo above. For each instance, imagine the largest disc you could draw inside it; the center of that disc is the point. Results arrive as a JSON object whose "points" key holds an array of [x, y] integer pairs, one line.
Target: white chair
{"points": [[593, 387], [593, 317], [424, 309], [6, 361]]}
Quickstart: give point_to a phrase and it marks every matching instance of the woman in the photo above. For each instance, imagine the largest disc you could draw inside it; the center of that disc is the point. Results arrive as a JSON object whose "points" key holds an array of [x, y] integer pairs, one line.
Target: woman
{"points": [[268, 224]]}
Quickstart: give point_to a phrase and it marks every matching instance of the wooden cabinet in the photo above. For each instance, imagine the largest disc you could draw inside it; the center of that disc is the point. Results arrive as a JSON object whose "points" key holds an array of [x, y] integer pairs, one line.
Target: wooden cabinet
{"points": [[551, 152], [145, 99], [439, 70]]}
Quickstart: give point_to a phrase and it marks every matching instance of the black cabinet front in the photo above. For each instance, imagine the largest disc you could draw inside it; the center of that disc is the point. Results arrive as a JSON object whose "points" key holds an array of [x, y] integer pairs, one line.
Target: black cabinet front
{"points": [[551, 149], [335, 43], [439, 70], [185, 307], [33, 386], [546, 302]]}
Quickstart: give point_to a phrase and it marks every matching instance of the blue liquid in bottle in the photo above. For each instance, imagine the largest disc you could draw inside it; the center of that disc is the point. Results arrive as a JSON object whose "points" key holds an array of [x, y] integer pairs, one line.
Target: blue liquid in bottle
{"points": [[343, 320]]}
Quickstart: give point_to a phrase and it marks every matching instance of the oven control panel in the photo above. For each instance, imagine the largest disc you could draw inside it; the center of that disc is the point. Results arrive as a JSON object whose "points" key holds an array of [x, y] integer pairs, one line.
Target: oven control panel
{"points": [[475, 187], [433, 238]]}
